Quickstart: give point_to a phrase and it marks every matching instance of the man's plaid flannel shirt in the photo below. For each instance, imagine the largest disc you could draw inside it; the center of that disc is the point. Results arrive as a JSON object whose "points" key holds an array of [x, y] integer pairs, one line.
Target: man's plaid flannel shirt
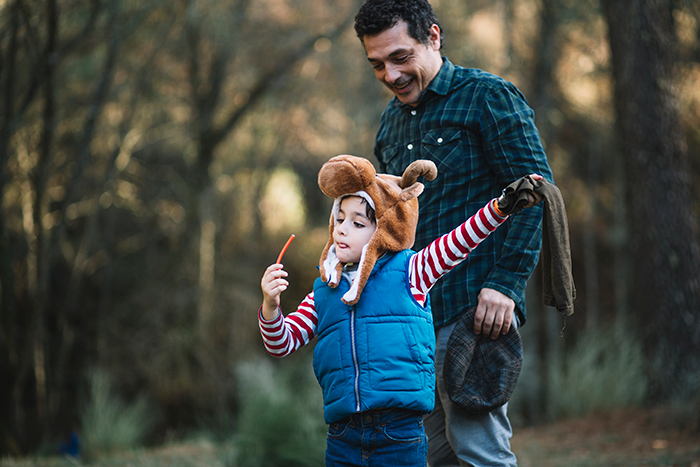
{"points": [[480, 132]]}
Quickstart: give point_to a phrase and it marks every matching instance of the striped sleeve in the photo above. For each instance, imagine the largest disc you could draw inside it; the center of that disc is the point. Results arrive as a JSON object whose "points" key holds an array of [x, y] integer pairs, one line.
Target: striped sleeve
{"points": [[285, 334], [443, 254]]}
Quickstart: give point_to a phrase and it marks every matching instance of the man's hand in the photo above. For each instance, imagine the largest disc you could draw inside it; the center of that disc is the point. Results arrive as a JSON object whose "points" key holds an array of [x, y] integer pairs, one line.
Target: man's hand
{"points": [[494, 313]]}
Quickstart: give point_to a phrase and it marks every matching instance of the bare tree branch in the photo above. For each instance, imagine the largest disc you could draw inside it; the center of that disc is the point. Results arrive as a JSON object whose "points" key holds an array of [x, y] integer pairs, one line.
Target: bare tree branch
{"points": [[274, 75]]}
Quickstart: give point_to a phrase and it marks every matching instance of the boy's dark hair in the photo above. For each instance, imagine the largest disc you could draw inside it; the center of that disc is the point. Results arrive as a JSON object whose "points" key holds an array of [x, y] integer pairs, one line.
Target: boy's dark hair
{"points": [[369, 211], [376, 16]]}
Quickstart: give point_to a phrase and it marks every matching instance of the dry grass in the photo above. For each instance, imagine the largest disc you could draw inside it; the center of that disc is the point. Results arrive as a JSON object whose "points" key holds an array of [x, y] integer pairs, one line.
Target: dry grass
{"points": [[191, 454]]}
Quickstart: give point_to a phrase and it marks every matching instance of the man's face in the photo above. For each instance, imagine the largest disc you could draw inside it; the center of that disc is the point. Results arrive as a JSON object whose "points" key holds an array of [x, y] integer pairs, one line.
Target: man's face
{"points": [[403, 64]]}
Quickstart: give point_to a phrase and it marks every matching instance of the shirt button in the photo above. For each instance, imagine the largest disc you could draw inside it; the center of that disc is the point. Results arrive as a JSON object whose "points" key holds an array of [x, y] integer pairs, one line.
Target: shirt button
{"points": [[439, 140], [410, 146], [368, 418], [413, 112]]}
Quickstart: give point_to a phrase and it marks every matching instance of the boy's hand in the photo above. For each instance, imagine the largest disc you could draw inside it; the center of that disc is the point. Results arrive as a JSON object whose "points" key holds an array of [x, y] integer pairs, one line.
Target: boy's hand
{"points": [[272, 285], [515, 205], [532, 197]]}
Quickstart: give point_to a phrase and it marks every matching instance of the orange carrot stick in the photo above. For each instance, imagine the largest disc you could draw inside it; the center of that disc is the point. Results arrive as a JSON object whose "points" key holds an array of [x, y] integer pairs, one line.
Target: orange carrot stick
{"points": [[286, 245]]}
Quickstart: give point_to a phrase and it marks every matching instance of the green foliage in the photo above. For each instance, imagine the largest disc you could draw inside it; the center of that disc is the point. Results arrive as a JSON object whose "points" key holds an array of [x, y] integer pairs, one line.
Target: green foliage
{"points": [[281, 420], [109, 423], [604, 370]]}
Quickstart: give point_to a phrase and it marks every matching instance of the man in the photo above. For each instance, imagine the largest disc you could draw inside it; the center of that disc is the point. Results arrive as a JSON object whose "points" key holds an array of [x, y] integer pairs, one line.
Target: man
{"points": [[480, 132]]}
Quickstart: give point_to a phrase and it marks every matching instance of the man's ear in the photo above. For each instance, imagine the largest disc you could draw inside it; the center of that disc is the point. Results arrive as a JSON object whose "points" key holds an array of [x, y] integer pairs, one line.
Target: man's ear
{"points": [[434, 37]]}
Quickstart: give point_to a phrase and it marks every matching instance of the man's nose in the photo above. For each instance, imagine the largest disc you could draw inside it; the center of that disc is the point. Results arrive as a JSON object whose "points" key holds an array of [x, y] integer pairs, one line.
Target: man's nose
{"points": [[392, 73]]}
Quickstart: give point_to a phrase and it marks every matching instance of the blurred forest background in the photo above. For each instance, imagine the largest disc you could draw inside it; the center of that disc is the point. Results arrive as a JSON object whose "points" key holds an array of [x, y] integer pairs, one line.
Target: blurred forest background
{"points": [[155, 156]]}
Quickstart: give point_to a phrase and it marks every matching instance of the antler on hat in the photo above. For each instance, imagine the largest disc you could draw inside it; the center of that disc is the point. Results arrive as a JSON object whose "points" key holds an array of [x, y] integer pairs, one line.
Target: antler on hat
{"points": [[395, 202]]}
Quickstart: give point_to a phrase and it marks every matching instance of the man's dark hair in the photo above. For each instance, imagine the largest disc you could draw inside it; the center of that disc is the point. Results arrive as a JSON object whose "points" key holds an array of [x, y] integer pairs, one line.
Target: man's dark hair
{"points": [[376, 16]]}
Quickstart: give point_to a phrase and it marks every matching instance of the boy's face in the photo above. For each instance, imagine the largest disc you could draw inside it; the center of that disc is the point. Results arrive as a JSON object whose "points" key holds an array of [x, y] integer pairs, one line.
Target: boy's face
{"points": [[403, 64], [352, 229]]}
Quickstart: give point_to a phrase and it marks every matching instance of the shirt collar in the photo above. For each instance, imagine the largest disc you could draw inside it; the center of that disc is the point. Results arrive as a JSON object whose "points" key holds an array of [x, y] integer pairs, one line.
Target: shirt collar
{"points": [[442, 82]]}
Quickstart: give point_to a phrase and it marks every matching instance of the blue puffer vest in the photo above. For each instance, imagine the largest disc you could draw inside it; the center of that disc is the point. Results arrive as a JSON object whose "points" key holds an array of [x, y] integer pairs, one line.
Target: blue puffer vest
{"points": [[378, 353]]}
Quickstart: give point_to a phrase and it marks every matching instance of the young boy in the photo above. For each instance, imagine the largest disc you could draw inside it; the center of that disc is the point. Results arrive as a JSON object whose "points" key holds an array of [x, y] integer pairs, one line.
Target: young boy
{"points": [[370, 311]]}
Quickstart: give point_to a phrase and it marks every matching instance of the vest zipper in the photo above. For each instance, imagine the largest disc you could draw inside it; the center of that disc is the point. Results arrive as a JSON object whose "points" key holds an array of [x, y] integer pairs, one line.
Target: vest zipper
{"points": [[354, 359]]}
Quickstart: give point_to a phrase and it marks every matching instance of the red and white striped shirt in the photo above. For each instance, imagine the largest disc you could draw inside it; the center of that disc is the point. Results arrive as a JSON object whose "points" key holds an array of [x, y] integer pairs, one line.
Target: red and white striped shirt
{"points": [[285, 334]]}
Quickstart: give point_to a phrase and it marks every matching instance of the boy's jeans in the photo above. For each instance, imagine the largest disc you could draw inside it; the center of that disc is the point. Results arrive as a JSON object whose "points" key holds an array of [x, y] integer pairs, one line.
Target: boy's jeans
{"points": [[381, 438]]}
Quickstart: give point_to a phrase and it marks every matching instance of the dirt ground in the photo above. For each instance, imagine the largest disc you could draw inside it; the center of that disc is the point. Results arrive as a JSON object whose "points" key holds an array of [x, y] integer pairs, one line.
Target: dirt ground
{"points": [[639, 438]]}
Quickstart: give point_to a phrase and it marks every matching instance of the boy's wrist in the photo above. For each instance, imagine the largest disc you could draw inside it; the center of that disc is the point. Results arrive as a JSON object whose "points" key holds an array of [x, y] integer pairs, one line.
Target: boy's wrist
{"points": [[494, 203], [269, 313]]}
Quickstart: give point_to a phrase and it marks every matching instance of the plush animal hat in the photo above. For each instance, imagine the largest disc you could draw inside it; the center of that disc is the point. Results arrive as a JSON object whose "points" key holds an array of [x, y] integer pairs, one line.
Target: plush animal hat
{"points": [[395, 203]]}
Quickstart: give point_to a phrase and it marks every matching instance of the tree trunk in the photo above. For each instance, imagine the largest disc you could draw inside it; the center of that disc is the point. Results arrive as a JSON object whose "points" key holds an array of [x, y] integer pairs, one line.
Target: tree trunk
{"points": [[8, 312], [665, 261], [544, 96], [590, 256]]}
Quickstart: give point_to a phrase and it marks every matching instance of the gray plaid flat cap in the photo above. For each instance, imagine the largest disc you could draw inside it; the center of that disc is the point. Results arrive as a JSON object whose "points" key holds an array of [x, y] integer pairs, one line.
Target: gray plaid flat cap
{"points": [[480, 373]]}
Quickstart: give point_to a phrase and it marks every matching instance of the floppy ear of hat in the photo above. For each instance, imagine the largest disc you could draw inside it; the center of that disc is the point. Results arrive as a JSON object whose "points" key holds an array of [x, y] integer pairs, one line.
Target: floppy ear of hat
{"points": [[480, 373], [395, 203]]}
